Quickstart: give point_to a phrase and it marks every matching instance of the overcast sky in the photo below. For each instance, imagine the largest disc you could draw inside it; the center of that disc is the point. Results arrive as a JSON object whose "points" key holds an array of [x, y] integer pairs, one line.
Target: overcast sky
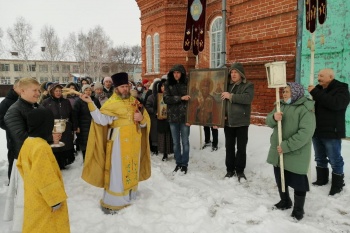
{"points": [[119, 18]]}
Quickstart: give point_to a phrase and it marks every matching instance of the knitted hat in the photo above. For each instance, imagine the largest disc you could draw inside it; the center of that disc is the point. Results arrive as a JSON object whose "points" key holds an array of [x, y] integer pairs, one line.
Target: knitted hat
{"points": [[98, 86], [120, 79], [164, 77], [84, 87], [47, 85], [107, 78], [40, 123], [239, 68], [53, 86], [297, 91], [144, 81]]}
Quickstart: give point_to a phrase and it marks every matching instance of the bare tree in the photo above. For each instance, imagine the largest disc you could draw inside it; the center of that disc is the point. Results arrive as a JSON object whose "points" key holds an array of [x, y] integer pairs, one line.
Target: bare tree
{"points": [[1, 46], [52, 50], [91, 50], [20, 36], [125, 58]]}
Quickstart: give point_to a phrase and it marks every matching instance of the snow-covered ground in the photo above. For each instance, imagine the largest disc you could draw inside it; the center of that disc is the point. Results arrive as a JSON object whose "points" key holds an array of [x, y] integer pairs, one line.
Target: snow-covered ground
{"points": [[201, 201]]}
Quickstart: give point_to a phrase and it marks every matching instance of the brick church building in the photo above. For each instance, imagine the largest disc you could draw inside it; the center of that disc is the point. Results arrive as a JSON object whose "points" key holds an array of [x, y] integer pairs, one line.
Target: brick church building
{"points": [[257, 32]]}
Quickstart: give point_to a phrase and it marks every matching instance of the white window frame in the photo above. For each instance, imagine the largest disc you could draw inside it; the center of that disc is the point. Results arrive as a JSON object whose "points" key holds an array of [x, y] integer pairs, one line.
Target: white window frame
{"points": [[65, 68], [149, 62], [215, 42], [4, 67], [18, 67], [56, 79], [65, 79], [55, 68], [76, 68], [5, 80], [156, 52], [31, 68], [43, 79], [43, 68]]}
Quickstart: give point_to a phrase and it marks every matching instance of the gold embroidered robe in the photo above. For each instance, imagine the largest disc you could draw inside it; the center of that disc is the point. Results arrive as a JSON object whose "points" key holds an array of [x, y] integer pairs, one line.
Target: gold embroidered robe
{"points": [[43, 188], [131, 150]]}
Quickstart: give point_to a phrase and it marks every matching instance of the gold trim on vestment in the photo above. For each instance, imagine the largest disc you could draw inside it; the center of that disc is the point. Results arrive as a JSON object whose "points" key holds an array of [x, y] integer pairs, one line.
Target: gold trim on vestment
{"points": [[122, 194], [112, 207], [96, 162]]}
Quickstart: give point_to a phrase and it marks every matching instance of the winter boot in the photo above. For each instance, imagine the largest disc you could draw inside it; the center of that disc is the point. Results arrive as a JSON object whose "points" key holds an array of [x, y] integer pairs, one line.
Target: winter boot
{"points": [[337, 183], [322, 176], [165, 157], [285, 202], [298, 210]]}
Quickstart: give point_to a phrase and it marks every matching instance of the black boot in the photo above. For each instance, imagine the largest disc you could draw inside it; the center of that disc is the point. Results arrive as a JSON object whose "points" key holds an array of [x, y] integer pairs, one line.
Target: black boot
{"points": [[285, 202], [165, 157], [322, 176], [337, 183], [298, 210]]}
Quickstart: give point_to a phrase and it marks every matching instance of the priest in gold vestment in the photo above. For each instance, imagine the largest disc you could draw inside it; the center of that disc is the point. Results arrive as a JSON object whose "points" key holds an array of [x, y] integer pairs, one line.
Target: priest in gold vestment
{"points": [[117, 153]]}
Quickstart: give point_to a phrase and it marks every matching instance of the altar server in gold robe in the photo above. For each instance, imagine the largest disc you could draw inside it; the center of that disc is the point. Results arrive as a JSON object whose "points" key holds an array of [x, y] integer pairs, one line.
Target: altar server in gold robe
{"points": [[45, 205], [117, 153]]}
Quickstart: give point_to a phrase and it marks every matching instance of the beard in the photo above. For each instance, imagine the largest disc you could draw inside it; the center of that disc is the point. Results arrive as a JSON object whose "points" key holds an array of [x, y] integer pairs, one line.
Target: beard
{"points": [[125, 95]]}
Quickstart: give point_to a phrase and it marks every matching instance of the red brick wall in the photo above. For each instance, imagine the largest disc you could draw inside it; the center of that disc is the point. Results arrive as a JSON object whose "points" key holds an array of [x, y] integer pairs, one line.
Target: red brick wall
{"points": [[258, 32]]}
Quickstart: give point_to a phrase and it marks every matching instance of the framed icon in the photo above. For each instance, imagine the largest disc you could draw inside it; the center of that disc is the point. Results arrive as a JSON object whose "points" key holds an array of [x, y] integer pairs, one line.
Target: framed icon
{"points": [[205, 106], [161, 107]]}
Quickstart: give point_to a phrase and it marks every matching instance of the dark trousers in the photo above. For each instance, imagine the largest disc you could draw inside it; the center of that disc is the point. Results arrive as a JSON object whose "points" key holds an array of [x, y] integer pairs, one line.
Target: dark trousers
{"points": [[11, 158], [214, 132], [236, 160]]}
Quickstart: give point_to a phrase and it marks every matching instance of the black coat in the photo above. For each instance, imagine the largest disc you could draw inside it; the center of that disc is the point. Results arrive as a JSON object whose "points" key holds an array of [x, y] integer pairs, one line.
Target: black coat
{"points": [[109, 92], [5, 104], [82, 116], [173, 91], [11, 98], [330, 108], [16, 122], [62, 109]]}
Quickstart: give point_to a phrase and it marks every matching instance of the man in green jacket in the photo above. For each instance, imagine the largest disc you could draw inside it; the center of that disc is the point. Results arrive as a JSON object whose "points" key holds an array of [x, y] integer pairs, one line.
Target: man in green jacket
{"points": [[239, 97]]}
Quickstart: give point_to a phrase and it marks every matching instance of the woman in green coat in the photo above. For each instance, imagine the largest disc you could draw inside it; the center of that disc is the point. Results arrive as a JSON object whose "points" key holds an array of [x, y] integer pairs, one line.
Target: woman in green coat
{"points": [[298, 125]]}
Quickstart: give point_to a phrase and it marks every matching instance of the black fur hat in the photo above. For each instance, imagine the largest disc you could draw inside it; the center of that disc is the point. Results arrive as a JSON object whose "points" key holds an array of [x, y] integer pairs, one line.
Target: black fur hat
{"points": [[120, 79]]}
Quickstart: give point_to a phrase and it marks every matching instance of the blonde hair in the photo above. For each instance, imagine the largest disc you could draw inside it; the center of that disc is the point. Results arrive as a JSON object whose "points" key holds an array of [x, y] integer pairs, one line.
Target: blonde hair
{"points": [[25, 82]]}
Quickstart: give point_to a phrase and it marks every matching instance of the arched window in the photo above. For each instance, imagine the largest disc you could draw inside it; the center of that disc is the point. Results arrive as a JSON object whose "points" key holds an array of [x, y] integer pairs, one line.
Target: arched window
{"points": [[215, 42], [156, 52], [149, 54]]}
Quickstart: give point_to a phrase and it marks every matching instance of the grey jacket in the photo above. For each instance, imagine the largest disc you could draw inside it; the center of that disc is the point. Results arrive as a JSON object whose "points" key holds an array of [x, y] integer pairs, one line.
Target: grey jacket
{"points": [[238, 107]]}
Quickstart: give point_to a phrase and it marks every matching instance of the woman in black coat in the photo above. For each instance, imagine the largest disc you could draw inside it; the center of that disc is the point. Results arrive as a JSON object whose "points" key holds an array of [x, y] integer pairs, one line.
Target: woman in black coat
{"points": [[82, 116], [62, 109], [165, 140]]}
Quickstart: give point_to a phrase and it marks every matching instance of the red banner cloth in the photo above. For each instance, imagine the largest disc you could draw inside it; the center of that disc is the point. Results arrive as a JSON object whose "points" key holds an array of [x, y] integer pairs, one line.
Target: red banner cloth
{"points": [[195, 26], [322, 11]]}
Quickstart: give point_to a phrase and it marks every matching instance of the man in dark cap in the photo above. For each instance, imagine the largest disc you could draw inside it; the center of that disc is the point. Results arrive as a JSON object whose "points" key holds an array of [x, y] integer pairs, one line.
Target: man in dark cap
{"points": [[117, 153], [239, 97]]}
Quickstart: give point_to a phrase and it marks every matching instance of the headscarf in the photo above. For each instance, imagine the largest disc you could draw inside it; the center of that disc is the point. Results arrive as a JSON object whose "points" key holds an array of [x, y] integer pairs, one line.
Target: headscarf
{"points": [[297, 91]]}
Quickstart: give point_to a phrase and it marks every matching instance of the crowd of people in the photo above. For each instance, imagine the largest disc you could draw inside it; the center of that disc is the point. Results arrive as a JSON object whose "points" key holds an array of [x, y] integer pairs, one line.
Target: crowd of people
{"points": [[117, 124]]}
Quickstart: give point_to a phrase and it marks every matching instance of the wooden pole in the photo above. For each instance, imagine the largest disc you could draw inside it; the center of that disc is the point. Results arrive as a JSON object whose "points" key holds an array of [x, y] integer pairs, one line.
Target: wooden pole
{"points": [[200, 127], [311, 82], [312, 60], [279, 125]]}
